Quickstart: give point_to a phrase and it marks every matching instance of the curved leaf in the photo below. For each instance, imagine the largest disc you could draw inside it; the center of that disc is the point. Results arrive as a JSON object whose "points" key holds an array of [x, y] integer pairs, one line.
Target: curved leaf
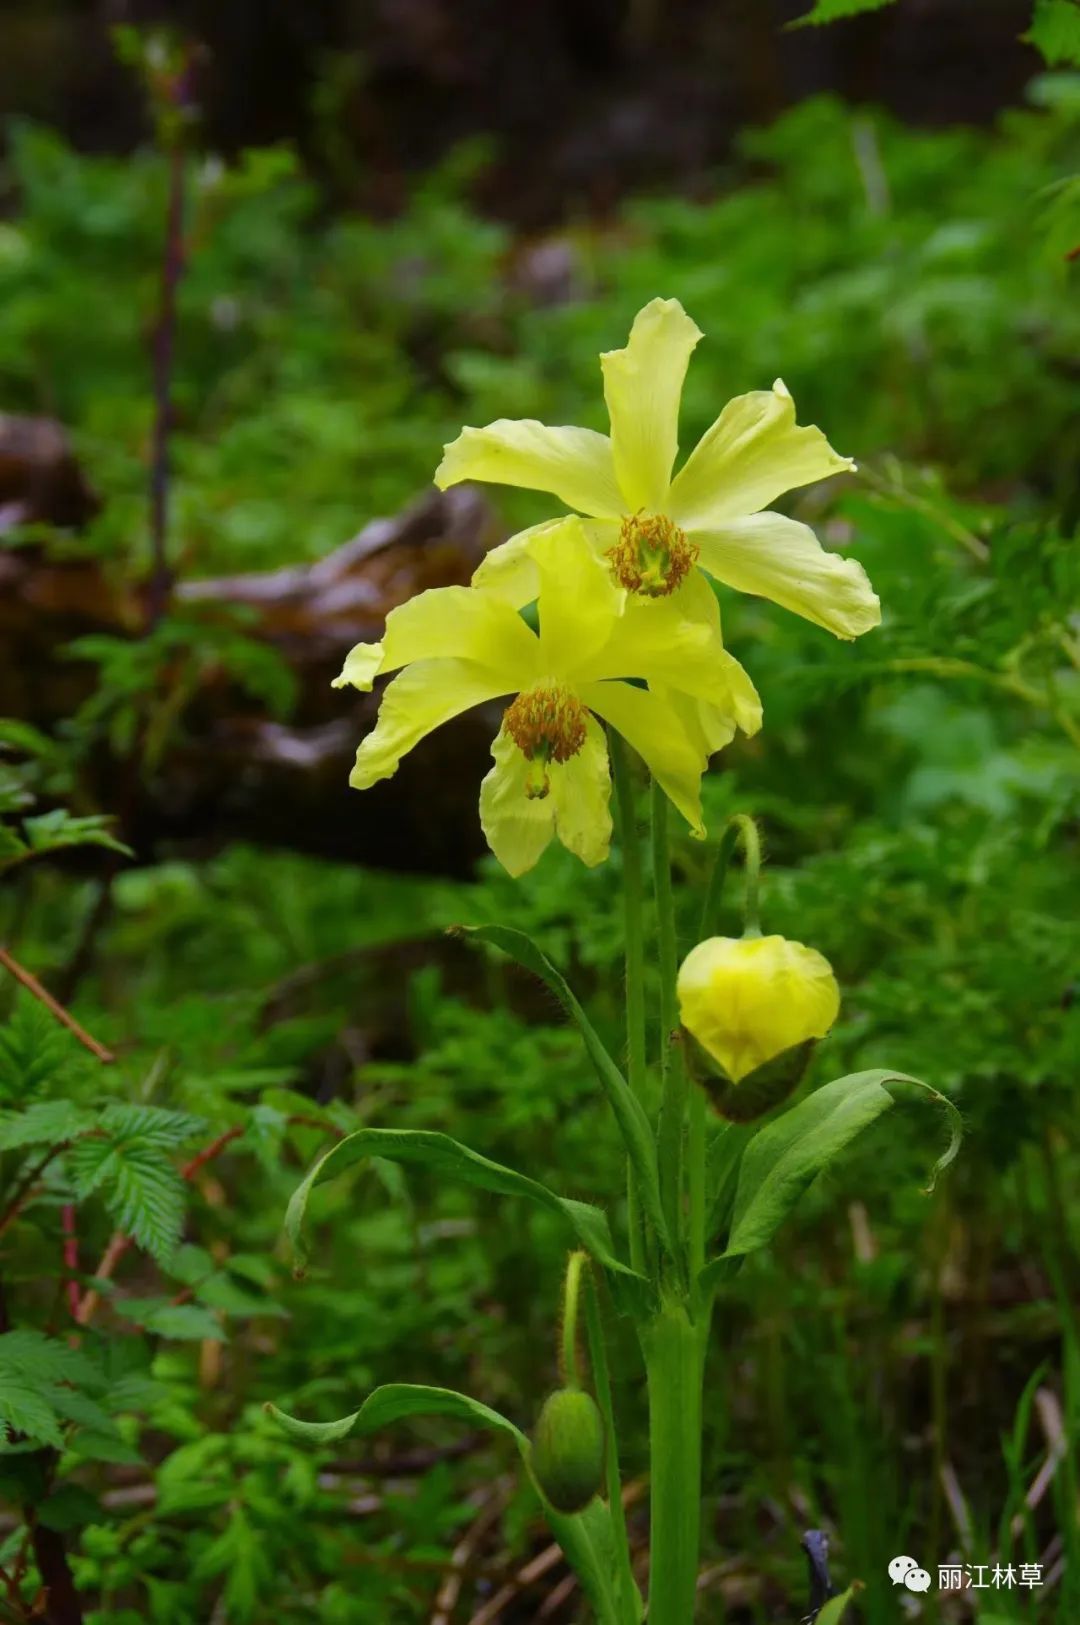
{"points": [[390, 1403], [587, 1538], [629, 1112], [449, 1157], [787, 1154], [834, 1610]]}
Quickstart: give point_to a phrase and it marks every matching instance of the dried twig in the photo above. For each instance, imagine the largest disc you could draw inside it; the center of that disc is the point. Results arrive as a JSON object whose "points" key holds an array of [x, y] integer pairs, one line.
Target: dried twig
{"points": [[42, 994]]}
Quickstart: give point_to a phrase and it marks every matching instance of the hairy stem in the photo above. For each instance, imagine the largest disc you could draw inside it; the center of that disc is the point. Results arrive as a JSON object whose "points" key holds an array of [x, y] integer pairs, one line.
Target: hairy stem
{"points": [[635, 963]]}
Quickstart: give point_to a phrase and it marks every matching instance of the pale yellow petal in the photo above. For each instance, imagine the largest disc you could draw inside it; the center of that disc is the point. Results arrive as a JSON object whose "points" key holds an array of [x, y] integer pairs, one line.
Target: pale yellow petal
{"points": [[418, 700], [517, 827], [573, 464], [747, 1000], [709, 726], [781, 559], [448, 623], [661, 641], [643, 386], [581, 791], [655, 732], [754, 451], [578, 603], [509, 571]]}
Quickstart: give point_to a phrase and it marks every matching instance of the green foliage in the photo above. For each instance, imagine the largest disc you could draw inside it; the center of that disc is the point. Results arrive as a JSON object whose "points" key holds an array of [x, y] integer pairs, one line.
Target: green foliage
{"points": [[1055, 32], [918, 797]]}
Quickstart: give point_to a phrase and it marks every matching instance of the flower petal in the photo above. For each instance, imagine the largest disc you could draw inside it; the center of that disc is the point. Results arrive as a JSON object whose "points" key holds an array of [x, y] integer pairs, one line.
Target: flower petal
{"points": [[517, 828], [576, 809], [674, 643], [748, 999], [654, 731], [779, 558], [578, 603], [418, 700], [753, 452], [642, 386], [581, 791], [509, 571], [447, 623], [573, 464]]}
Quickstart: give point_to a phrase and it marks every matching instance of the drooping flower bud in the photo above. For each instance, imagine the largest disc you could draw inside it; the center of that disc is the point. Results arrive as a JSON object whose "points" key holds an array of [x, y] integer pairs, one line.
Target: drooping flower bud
{"points": [[753, 1004], [568, 1449]]}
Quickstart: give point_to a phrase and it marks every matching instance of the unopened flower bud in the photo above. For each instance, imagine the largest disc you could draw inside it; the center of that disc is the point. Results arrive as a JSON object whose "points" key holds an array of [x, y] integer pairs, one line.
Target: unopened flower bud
{"points": [[568, 1449], [746, 1001]]}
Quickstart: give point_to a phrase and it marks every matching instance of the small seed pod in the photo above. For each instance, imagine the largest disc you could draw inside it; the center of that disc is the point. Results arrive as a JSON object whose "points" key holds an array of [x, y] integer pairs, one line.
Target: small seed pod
{"points": [[568, 1449]]}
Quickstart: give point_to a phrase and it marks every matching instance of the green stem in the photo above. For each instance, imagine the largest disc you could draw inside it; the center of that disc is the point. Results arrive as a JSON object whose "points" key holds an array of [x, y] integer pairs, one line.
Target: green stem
{"points": [[629, 1600], [571, 1290], [696, 1153], [672, 1067], [740, 827], [635, 963], [674, 1349]]}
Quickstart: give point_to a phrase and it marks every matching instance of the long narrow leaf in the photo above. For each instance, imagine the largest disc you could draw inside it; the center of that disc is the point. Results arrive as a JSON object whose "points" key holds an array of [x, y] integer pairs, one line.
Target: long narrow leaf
{"points": [[449, 1158], [786, 1155], [629, 1112]]}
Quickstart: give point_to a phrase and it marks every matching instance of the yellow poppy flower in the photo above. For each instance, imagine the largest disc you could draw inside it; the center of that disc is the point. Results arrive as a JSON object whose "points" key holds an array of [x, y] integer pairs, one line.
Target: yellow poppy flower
{"points": [[654, 530], [461, 647], [747, 1000]]}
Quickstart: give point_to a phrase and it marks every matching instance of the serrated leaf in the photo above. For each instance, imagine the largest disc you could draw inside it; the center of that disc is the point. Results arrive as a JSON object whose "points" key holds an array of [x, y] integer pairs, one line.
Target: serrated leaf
{"points": [[629, 1113], [1055, 32], [24, 1409], [33, 1354], [46, 1122], [449, 1157], [153, 1124], [139, 1185], [785, 1156]]}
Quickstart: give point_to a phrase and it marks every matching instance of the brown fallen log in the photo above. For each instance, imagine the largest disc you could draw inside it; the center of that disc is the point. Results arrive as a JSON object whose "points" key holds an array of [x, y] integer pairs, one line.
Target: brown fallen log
{"points": [[228, 771]]}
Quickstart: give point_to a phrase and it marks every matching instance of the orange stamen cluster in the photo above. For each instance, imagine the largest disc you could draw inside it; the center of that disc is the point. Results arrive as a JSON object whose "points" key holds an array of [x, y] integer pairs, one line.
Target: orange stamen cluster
{"points": [[652, 555], [547, 725]]}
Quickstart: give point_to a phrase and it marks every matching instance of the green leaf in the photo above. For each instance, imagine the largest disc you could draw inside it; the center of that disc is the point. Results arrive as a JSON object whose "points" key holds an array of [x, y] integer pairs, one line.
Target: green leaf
{"points": [[70, 1507], [47, 1122], [1055, 32], [183, 1322], [836, 1607], [46, 1359], [390, 1403], [629, 1112], [834, 11], [787, 1154], [25, 1409], [164, 1129], [450, 1158], [141, 1188], [53, 831], [586, 1537]]}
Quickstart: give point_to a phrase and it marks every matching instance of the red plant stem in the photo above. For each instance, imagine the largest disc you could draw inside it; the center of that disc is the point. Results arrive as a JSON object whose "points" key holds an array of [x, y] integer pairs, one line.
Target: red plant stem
{"points": [[209, 1152], [71, 1256], [42, 994]]}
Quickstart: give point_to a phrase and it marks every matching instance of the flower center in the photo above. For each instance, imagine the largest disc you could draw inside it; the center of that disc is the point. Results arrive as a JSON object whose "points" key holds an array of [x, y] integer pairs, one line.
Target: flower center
{"points": [[547, 725], [652, 555]]}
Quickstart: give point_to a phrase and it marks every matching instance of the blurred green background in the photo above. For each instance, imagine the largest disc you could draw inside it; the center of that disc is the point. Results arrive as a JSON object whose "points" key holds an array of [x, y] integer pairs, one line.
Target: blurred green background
{"points": [[395, 222]]}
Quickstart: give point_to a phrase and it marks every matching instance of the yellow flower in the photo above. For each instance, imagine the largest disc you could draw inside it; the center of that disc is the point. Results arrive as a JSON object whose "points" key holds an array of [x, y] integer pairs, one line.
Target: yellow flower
{"points": [[654, 530], [461, 647], [749, 999]]}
